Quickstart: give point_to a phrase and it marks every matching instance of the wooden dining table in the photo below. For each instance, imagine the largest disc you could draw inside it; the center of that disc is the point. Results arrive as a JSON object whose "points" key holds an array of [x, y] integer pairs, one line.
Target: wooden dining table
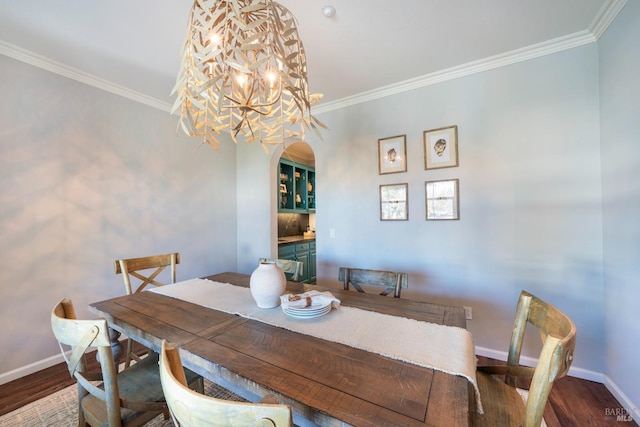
{"points": [[326, 383]]}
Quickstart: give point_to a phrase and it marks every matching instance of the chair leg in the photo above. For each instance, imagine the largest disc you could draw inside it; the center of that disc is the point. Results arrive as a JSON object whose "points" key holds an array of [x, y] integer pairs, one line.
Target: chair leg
{"points": [[127, 360], [81, 420]]}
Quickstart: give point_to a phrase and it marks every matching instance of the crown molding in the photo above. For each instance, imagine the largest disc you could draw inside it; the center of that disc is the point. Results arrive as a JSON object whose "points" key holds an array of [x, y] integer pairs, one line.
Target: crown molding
{"points": [[605, 17], [48, 64], [519, 55], [601, 22]]}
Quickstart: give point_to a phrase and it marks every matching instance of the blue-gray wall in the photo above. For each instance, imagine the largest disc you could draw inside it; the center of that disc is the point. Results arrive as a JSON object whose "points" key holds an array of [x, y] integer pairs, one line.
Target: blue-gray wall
{"points": [[87, 177], [530, 196], [620, 148]]}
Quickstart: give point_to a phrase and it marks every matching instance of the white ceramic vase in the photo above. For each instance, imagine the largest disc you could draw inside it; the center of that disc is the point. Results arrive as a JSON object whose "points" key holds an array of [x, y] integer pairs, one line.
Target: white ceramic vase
{"points": [[267, 284]]}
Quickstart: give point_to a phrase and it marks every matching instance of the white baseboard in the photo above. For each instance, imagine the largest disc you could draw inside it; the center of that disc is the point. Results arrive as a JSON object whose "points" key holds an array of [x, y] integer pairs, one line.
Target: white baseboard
{"points": [[30, 368], [39, 365], [581, 373], [624, 400]]}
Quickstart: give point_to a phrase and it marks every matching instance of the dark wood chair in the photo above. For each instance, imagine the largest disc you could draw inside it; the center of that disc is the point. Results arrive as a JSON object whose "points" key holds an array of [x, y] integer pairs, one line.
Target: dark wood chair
{"points": [[393, 282], [129, 398], [189, 408], [502, 404]]}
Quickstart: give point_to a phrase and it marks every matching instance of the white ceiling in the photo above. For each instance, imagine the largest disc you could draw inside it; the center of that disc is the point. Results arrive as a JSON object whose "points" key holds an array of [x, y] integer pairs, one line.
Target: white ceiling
{"points": [[366, 46]]}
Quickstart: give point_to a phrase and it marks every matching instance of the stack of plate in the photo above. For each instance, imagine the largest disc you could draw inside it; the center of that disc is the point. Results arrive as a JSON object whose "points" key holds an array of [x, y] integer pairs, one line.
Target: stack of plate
{"points": [[314, 310]]}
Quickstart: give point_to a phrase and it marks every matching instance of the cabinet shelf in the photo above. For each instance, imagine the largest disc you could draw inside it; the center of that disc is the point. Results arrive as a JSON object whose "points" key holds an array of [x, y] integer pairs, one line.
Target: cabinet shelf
{"points": [[296, 190]]}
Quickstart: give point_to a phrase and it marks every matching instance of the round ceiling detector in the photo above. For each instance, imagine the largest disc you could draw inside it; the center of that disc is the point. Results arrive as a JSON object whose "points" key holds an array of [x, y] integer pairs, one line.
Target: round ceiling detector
{"points": [[328, 11]]}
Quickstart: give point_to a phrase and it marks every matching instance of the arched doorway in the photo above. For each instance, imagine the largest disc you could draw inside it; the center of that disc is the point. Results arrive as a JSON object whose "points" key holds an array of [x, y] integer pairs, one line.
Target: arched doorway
{"points": [[296, 181]]}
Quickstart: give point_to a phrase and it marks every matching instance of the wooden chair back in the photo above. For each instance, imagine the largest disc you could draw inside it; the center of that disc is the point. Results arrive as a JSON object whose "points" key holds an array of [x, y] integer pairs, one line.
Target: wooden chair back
{"points": [[133, 267], [152, 266], [393, 282], [189, 408], [291, 268], [558, 333], [107, 404]]}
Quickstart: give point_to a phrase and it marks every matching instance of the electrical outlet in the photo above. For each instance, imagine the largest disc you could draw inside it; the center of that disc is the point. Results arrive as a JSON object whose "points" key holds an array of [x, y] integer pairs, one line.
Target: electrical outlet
{"points": [[468, 313]]}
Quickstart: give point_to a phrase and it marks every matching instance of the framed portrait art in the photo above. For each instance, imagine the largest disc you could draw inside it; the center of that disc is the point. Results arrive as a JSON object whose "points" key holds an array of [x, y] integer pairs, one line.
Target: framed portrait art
{"points": [[442, 199], [394, 202], [392, 154], [441, 148]]}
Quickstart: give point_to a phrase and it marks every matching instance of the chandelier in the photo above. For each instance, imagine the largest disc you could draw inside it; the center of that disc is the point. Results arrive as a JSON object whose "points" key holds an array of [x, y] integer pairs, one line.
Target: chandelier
{"points": [[244, 72]]}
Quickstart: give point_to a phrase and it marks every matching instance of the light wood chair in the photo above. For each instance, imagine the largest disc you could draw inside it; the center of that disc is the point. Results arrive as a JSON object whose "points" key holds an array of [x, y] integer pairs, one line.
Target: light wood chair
{"points": [[392, 281], [132, 267], [502, 404], [129, 398], [190, 409], [292, 269], [152, 266]]}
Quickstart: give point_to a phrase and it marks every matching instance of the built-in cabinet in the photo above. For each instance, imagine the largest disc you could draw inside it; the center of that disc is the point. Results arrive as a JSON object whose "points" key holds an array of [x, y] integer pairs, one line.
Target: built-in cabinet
{"points": [[304, 252], [296, 192], [312, 262]]}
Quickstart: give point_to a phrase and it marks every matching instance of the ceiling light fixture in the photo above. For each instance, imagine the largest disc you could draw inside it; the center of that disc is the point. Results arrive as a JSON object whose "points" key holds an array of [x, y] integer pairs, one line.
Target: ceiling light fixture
{"points": [[328, 11], [244, 71]]}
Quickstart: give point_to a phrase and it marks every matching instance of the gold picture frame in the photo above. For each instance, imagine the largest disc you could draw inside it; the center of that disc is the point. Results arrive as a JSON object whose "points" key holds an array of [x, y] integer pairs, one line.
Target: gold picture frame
{"points": [[394, 202], [442, 199], [392, 154], [441, 148]]}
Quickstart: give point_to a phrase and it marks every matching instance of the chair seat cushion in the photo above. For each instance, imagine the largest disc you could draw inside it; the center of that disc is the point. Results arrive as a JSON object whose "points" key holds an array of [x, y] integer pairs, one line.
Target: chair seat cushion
{"points": [[502, 404]]}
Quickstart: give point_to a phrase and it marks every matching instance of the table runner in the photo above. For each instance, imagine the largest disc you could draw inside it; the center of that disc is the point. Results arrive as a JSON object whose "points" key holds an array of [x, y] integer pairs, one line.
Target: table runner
{"points": [[448, 349]]}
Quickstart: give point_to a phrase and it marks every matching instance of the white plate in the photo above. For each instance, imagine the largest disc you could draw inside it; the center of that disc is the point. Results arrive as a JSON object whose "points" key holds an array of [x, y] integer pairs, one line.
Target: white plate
{"points": [[307, 315], [315, 306], [314, 310]]}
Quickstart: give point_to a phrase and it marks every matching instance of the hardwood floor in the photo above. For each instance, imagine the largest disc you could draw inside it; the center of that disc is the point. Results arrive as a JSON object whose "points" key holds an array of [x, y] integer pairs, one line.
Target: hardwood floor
{"points": [[573, 402]]}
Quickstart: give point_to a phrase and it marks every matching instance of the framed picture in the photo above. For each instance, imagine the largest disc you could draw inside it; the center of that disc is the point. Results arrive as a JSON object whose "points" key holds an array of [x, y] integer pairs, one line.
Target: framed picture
{"points": [[392, 154], [441, 148], [394, 202], [442, 199]]}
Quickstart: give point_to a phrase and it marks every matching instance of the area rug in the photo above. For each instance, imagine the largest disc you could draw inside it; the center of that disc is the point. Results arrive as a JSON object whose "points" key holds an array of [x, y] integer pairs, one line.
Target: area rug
{"points": [[60, 409]]}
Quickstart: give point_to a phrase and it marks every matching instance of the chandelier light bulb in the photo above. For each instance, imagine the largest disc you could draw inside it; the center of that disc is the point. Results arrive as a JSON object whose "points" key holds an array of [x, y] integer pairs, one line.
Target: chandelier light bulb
{"points": [[215, 39]]}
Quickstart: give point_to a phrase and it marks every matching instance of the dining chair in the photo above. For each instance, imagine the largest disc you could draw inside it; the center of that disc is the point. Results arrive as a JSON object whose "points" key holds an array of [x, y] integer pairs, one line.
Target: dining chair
{"points": [[146, 270], [357, 277], [502, 403], [133, 267], [291, 268], [129, 398], [189, 408]]}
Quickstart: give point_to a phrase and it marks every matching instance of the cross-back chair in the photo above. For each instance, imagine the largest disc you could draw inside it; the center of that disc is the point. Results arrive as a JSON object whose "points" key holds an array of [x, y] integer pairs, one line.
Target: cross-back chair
{"points": [[502, 404], [291, 268], [106, 398], [133, 267], [191, 409], [146, 270], [393, 282]]}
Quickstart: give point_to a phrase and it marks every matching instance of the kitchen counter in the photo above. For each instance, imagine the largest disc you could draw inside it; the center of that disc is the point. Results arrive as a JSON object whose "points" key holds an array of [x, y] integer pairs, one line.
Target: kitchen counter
{"points": [[295, 239]]}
